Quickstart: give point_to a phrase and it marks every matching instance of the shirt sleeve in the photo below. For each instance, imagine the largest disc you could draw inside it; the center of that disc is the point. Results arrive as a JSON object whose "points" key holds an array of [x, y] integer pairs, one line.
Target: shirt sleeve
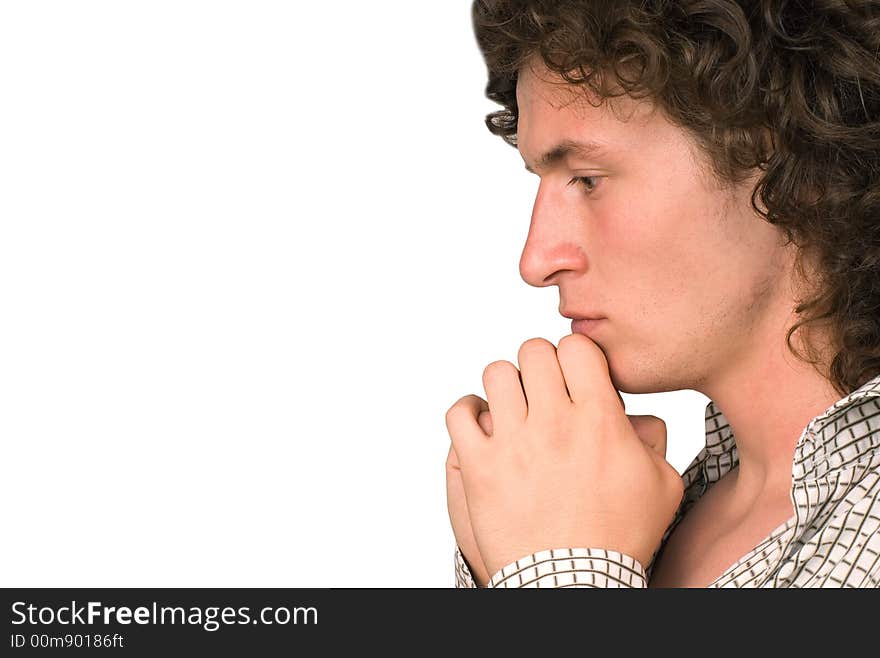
{"points": [[464, 578], [572, 567]]}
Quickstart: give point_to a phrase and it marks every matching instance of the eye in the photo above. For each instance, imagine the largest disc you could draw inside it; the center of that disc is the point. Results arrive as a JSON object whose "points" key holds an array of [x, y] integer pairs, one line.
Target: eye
{"points": [[588, 183]]}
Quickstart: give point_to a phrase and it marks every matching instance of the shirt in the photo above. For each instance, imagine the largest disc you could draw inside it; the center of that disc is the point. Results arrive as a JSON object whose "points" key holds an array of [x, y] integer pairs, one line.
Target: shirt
{"points": [[832, 540]]}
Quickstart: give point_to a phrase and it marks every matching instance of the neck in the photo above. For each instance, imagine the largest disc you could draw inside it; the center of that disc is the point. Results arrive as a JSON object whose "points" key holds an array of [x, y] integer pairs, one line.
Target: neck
{"points": [[768, 396]]}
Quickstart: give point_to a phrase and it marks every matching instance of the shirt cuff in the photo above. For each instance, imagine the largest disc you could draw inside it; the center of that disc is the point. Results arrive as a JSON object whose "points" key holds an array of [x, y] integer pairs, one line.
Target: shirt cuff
{"points": [[572, 567], [464, 578]]}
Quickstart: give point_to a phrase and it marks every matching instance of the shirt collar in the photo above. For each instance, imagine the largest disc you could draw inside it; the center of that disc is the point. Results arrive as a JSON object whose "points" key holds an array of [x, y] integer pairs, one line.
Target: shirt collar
{"points": [[817, 452]]}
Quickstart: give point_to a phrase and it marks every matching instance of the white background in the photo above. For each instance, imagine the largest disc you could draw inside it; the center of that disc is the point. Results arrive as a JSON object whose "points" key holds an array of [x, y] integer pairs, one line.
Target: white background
{"points": [[250, 254]]}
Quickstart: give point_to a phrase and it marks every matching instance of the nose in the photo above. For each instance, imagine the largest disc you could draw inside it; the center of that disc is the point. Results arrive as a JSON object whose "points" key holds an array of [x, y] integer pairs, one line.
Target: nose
{"points": [[553, 245]]}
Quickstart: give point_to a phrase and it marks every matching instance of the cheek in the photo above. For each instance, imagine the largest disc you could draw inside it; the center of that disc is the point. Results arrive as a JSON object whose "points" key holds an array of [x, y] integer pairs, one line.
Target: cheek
{"points": [[638, 258], [661, 292], [661, 252]]}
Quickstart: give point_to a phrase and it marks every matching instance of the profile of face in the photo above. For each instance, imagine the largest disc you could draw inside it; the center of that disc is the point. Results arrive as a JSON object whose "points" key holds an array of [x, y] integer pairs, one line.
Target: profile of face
{"points": [[687, 276]]}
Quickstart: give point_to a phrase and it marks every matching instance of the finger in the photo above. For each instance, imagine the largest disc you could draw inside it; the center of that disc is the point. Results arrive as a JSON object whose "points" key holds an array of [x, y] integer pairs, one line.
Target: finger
{"points": [[542, 378], [504, 393], [452, 458], [651, 430], [459, 518], [586, 373], [464, 430], [485, 421]]}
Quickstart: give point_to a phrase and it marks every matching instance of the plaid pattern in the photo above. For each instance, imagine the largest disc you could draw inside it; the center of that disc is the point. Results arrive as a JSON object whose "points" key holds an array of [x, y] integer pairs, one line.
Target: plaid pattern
{"points": [[833, 539]]}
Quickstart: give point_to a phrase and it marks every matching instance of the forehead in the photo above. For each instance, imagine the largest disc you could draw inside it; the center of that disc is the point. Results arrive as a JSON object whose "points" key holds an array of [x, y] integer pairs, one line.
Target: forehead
{"points": [[551, 110]]}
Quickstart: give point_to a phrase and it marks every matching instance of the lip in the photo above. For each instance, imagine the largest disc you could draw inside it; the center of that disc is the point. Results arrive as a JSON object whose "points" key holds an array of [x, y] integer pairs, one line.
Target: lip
{"points": [[585, 326], [580, 316]]}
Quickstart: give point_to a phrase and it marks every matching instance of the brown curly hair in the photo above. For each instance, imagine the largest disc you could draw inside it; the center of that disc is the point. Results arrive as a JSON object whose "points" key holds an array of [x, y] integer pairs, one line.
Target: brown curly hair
{"points": [[789, 88]]}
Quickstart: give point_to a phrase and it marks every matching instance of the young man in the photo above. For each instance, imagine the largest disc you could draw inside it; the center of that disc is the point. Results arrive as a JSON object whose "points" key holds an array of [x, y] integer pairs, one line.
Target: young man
{"points": [[651, 124]]}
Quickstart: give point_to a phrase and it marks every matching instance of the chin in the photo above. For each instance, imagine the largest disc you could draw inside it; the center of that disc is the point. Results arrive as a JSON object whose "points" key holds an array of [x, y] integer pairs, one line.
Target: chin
{"points": [[634, 381], [623, 381]]}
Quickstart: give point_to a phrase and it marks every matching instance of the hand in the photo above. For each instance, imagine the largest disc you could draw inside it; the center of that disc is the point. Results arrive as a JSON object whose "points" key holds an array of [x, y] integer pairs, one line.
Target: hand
{"points": [[461, 522], [650, 429], [457, 507], [565, 466]]}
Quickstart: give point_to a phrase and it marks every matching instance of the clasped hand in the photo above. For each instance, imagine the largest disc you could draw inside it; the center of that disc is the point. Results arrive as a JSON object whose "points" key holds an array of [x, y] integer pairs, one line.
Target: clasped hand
{"points": [[551, 460]]}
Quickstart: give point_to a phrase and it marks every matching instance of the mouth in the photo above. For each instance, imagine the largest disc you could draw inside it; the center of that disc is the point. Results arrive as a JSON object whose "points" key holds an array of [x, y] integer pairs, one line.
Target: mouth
{"points": [[585, 326]]}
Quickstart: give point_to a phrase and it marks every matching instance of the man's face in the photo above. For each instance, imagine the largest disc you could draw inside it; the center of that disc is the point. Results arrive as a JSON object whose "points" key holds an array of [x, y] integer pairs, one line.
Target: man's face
{"points": [[688, 277]]}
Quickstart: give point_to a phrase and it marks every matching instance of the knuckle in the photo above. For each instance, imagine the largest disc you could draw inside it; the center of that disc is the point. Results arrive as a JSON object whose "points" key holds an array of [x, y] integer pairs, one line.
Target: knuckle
{"points": [[569, 340], [452, 411], [534, 345], [565, 348], [497, 369], [676, 482], [648, 421], [571, 345]]}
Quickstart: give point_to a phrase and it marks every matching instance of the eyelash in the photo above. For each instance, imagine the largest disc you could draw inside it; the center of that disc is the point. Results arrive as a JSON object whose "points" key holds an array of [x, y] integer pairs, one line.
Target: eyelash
{"points": [[580, 181]]}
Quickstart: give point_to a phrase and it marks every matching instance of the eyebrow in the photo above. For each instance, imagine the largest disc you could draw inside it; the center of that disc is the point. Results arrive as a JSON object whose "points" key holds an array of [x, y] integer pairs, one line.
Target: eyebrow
{"points": [[565, 148]]}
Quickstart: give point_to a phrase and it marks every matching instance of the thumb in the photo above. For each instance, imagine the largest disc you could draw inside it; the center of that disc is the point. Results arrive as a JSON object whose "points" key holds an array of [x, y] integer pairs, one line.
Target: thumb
{"points": [[652, 432]]}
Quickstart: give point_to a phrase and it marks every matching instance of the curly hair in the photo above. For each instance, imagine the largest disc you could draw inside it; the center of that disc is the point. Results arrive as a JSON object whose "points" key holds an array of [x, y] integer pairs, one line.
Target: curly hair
{"points": [[788, 88]]}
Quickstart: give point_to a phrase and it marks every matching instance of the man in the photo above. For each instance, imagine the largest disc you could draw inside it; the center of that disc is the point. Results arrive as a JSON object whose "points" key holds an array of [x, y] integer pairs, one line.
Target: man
{"points": [[651, 125]]}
